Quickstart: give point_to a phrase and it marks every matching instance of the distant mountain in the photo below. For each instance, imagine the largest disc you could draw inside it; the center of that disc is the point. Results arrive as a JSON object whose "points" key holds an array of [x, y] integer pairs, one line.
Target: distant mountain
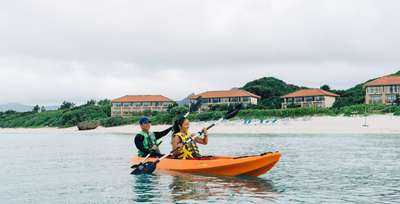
{"points": [[270, 89], [15, 107], [21, 107], [185, 101]]}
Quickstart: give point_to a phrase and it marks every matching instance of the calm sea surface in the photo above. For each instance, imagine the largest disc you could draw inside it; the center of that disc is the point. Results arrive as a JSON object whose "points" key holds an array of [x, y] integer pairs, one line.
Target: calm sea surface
{"points": [[94, 168]]}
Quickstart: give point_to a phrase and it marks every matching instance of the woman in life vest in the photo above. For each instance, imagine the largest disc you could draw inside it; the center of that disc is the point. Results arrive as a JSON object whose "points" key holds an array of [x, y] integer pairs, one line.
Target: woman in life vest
{"points": [[183, 141]]}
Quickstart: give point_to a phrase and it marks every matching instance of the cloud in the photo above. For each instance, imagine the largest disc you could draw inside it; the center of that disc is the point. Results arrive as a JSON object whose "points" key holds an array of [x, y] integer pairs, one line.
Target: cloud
{"points": [[77, 50]]}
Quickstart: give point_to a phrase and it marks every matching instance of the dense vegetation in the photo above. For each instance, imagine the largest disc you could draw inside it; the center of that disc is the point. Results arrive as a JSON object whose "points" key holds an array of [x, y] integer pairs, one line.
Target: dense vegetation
{"points": [[352, 96], [270, 89], [101, 113], [66, 116]]}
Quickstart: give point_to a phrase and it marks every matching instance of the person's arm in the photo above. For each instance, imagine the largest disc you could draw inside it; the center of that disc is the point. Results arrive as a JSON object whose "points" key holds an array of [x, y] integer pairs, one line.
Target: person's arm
{"points": [[139, 144], [161, 134], [203, 140], [176, 144]]}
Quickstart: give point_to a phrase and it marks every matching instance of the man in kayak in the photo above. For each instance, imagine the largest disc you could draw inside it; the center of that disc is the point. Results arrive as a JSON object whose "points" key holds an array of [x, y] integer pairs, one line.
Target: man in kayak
{"points": [[146, 141], [184, 141]]}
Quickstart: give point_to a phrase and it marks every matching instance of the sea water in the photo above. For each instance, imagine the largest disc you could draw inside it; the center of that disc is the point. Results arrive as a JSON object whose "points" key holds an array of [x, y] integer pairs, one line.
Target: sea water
{"points": [[94, 168]]}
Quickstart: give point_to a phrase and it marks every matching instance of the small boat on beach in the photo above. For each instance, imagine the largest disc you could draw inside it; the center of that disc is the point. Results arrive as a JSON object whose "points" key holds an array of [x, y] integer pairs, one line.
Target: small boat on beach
{"points": [[254, 165], [88, 125]]}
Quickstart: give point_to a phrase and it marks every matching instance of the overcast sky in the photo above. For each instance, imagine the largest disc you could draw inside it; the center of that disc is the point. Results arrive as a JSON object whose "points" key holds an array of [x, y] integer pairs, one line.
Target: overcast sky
{"points": [[76, 50]]}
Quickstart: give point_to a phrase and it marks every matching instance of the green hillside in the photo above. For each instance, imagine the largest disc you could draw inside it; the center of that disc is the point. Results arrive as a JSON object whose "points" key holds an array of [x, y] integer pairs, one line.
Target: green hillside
{"points": [[270, 89]]}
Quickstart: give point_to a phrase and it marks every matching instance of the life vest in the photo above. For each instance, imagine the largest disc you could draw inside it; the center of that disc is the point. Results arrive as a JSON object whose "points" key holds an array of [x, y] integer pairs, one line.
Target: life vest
{"points": [[190, 149], [149, 140]]}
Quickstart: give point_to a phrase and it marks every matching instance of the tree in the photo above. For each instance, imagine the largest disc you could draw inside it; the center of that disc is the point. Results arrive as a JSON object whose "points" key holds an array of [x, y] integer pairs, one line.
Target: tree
{"points": [[104, 102], [42, 109], [270, 89], [66, 105], [397, 101], [36, 109], [325, 87], [91, 102]]}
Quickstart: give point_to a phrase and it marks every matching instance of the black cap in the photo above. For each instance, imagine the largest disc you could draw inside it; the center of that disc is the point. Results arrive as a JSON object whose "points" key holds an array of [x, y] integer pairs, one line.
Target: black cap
{"points": [[144, 120]]}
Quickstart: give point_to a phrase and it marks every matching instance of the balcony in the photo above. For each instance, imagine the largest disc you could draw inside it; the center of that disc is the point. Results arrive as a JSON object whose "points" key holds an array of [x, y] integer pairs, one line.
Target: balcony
{"points": [[305, 104]]}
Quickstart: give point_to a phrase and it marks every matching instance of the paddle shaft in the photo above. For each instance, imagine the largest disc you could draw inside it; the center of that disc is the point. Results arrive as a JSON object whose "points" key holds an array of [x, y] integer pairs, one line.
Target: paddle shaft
{"points": [[210, 126], [227, 116]]}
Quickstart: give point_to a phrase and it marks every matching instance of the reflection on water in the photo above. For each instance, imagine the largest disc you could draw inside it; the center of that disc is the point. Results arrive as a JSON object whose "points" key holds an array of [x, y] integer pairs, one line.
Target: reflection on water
{"points": [[183, 188], [146, 188]]}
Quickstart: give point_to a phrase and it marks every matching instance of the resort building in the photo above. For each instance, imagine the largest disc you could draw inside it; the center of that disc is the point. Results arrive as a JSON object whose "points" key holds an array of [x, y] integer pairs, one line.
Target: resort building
{"points": [[384, 90], [308, 98], [234, 96], [129, 104]]}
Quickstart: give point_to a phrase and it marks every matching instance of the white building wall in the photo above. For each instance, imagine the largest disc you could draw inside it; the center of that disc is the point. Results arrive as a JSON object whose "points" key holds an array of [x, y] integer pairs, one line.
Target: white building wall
{"points": [[329, 101]]}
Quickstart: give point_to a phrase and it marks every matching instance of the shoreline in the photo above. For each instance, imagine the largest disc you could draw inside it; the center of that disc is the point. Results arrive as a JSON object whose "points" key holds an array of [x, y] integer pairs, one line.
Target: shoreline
{"points": [[377, 124]]}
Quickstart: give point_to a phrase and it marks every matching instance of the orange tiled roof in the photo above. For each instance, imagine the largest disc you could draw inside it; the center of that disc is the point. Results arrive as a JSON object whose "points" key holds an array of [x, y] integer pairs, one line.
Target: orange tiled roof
{"points": [[142, 98], [225, 94], [310, 92], [386, 80]]}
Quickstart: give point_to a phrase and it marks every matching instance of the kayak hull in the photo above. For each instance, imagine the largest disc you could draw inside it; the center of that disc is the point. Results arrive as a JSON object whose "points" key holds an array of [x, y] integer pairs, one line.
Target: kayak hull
{"points": [[220, 165]]}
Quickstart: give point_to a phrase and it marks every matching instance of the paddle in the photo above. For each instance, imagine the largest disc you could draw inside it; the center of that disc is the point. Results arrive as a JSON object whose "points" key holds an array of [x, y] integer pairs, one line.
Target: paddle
{"points": [[227, 116], [193, 107], [150, 167]]}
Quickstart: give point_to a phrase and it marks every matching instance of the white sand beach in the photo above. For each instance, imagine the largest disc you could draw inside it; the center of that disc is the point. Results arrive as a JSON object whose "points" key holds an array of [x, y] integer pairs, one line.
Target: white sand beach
{"points": [[376, 124]]}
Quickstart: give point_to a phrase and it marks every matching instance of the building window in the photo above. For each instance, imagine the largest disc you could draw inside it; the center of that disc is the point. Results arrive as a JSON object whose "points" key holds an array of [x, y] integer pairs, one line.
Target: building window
{"points": [[224, 100], [235, 99], [246, 99], [374, 90], [117, 104], [215, 100], [309, 98], [387, 89], [376, 99], [320, 98], [127, 104], [298, 99], [390, 98]]}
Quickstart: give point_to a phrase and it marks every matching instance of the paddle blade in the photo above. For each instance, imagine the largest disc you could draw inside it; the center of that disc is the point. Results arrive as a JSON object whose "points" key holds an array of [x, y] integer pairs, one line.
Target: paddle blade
{"points": [[146, 168], [234, 112]]}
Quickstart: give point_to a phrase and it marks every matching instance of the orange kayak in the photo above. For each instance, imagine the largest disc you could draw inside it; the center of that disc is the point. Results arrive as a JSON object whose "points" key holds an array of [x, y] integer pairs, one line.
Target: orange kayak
{"points": [[220, 165]]}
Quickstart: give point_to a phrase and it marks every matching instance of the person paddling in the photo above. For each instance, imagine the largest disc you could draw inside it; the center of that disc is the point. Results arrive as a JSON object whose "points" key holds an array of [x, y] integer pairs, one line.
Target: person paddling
{"points": [[146, 141], [182, 139]]}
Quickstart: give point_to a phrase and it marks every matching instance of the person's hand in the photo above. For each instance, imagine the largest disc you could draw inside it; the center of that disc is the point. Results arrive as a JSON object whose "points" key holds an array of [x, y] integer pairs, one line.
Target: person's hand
{"points": [[205, 132], [179, 147], [154, 148]]}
